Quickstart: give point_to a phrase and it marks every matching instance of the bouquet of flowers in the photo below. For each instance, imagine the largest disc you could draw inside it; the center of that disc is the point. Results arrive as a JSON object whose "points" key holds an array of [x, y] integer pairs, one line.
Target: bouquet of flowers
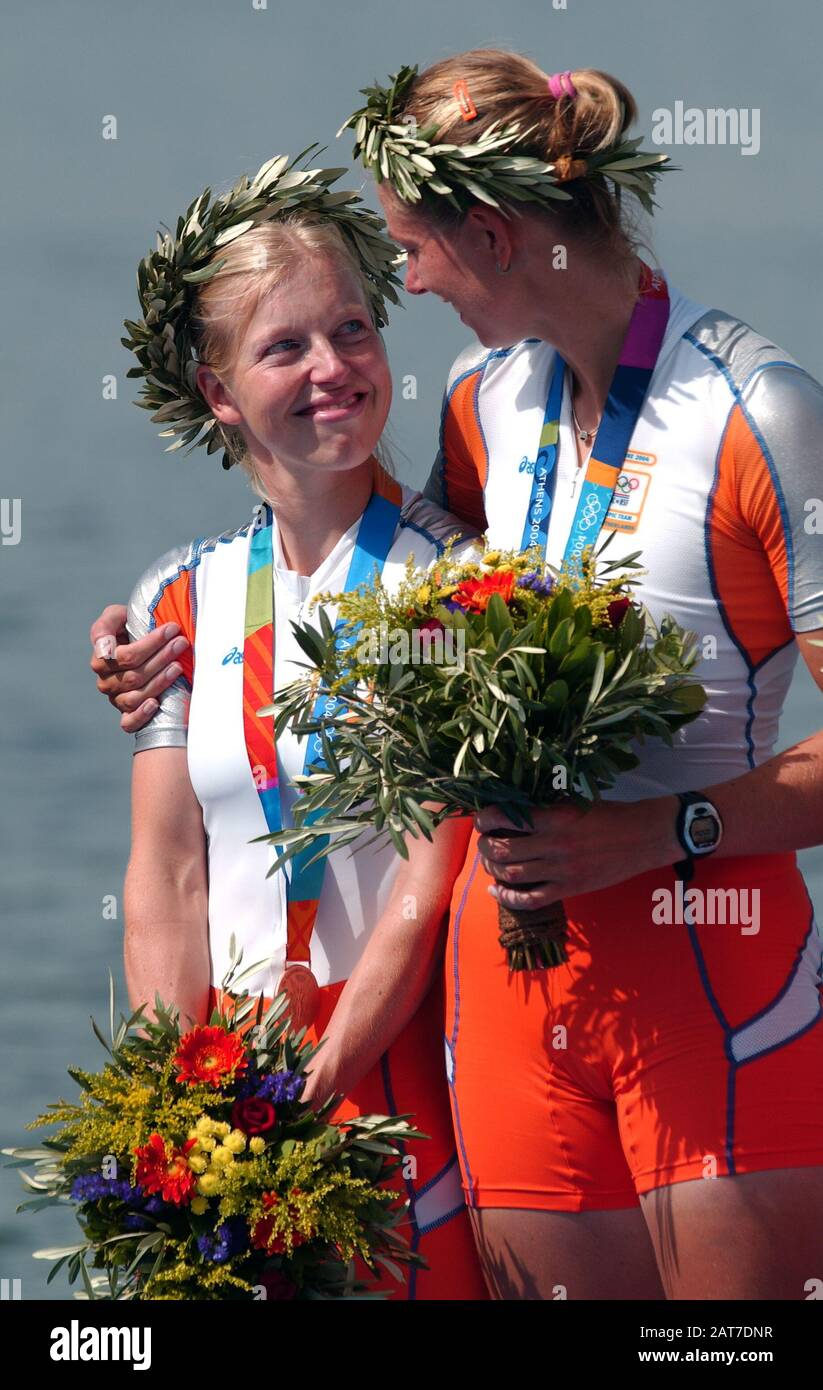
{"points": [[491, 681], [198, 1172]]}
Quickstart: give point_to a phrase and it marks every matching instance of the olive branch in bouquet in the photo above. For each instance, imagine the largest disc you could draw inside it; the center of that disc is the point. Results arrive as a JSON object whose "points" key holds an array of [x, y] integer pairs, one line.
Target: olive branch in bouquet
{"points": [[545, 707]]}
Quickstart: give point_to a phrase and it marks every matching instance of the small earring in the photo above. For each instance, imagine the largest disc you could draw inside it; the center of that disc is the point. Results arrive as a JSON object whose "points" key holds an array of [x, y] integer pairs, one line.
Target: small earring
{"points": [[502, 269]]}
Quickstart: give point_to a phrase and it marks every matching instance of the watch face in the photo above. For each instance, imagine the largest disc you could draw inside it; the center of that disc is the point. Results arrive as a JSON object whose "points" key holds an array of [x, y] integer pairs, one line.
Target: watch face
{"points": [[703, 832]]}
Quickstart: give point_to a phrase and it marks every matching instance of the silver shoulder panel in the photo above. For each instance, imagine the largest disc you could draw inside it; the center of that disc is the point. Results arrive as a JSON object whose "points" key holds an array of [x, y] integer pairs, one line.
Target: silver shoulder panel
{"points": [[427, 516], [784, 407], [739, 350], [168, 727], [466, 361]]}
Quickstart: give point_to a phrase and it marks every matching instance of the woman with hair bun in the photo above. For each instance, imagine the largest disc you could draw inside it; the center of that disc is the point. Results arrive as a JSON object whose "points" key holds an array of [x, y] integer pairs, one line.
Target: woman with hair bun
{"points": [[647, 1119]]}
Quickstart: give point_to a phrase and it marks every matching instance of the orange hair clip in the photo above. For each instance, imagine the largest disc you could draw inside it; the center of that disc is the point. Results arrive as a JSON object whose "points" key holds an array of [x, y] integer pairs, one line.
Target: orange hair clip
{"points": [[468, 110]]}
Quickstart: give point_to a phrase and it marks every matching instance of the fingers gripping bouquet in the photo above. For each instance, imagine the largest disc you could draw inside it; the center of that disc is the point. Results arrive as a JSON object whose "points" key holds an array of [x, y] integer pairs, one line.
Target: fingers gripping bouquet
{"points": [[197, 1171], [495, 682]]}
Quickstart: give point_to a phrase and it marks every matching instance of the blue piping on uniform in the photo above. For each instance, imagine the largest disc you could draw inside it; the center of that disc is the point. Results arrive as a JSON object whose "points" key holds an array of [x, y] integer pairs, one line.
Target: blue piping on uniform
{"points": [[443, 1171], [781, 501], [480, 368], [427, 535], [458, 1128], [752, 667]]}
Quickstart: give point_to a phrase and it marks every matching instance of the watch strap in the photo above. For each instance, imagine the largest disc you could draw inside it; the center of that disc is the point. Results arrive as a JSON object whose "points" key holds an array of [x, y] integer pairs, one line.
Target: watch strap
{"points": [[684, 868]]}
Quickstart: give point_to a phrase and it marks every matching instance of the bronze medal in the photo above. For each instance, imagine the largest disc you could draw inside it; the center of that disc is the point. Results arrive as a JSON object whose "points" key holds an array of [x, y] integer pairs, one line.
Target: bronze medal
{"points": [[303, 992]]}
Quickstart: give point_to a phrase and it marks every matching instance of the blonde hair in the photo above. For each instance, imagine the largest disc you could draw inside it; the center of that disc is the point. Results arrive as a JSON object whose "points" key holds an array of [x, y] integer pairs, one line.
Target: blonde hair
{"points": [[506, 87], [258, 261]]}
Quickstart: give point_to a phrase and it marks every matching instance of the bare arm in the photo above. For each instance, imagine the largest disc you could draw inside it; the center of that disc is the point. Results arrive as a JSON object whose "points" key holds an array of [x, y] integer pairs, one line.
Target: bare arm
{"points": [[397, 967], [772, 809], [166, 890]]}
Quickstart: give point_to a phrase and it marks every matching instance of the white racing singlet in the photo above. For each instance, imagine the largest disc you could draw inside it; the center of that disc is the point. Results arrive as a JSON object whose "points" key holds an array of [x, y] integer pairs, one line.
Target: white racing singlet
{"points": [[202, 587], [718, 492]]}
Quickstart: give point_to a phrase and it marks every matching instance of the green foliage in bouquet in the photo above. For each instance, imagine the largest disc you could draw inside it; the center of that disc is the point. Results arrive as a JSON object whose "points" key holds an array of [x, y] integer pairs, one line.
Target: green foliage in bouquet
{"points": [[198, 1173], [562, 674]]}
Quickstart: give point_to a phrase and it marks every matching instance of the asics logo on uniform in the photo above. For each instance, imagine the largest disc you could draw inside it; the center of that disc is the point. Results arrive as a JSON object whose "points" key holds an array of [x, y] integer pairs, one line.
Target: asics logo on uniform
{"points": [[233, 658]]}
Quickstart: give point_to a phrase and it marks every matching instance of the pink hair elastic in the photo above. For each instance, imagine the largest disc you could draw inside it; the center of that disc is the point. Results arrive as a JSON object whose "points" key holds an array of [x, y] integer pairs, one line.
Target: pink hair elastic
{"points": [[561, 85]]}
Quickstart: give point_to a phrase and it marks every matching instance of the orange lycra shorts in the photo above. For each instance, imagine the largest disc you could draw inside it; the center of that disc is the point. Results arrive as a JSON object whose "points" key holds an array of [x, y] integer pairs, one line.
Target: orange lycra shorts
{"points": [[408, 1079], [663, 1050]]}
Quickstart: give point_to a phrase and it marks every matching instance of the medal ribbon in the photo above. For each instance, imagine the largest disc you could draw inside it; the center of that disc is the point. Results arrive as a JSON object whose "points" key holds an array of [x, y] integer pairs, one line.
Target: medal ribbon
{"points": [[627, 393], [375, 537]]}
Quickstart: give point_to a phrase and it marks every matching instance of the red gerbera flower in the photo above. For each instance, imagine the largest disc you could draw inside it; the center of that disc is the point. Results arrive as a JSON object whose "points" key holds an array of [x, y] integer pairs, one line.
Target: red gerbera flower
{"points": [[209, 1055], [162, 1168], [474, 594]]}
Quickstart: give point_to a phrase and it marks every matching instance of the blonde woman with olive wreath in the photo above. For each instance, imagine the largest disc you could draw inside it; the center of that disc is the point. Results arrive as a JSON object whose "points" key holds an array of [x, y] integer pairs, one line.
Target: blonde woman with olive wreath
{"points": [[280, 289], [658, 1100]]}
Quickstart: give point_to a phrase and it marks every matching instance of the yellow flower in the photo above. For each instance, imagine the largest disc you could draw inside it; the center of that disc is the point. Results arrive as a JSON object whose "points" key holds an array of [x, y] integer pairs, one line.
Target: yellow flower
{"points": [[208, 1144], [235, 1142], [209, 1184], [197, 1163], [257, 1145], [204, 1126], [221, 1157], [424, 593], [199, 1206], [491, 557]]}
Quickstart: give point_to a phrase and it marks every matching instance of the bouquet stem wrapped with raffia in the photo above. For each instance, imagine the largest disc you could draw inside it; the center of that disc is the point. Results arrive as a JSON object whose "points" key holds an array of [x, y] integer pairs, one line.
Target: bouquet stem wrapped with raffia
{"points": [[496, 681]]}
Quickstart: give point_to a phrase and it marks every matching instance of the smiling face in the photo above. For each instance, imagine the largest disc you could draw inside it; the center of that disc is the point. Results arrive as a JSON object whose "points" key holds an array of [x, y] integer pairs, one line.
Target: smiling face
{"points": [[457, 263], [310, 384]]}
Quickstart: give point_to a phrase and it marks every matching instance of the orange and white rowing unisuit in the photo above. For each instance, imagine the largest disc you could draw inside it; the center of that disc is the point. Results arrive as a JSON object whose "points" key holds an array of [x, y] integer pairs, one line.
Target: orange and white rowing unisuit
{"points": [[202, 587], [659, 1052], [715, 492]]}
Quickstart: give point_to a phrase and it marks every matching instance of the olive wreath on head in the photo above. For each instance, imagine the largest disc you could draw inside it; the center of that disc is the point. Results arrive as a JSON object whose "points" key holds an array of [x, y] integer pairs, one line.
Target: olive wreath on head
{"points": [[169, 276], [394, 149]]}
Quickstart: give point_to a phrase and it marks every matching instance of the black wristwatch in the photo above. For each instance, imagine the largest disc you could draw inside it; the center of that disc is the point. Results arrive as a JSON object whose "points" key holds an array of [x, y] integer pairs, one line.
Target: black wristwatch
{"points": [[699, 830]]}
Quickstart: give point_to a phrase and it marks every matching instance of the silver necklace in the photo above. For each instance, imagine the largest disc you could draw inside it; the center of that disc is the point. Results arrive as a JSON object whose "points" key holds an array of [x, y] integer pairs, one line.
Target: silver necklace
{"points": [[585, 435]]}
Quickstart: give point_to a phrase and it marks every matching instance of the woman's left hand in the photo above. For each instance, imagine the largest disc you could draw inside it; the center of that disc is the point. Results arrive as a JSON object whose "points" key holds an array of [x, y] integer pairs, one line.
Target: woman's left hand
{"points": [[575, 850]]}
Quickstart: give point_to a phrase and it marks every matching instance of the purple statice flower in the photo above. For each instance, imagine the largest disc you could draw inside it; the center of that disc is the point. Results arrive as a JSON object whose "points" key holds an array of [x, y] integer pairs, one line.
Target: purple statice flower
{"points": [[539, 584], [230, 1238], [136, 1221], [280, 1087], [91, 1187]]}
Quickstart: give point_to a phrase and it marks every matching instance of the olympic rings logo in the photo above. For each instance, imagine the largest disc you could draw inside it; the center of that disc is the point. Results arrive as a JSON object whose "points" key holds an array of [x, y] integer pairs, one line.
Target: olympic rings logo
{"points": [[626, 483], [590, 512]]}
